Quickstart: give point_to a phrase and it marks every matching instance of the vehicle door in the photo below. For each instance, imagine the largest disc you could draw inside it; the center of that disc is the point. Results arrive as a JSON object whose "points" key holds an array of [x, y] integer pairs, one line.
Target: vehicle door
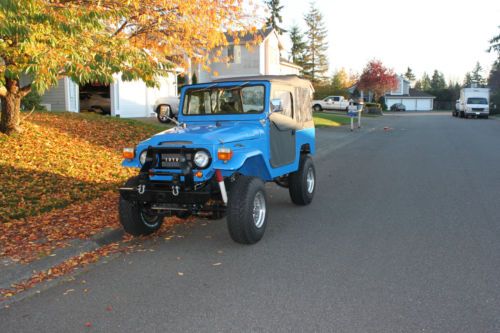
{"points": [[282, 132], [336, 103]]}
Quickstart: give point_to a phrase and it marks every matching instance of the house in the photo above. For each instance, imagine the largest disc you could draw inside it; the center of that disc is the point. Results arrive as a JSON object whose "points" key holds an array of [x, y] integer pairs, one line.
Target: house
{"points": [[413, 100], [134, 99], [125, 99], [245, 59]]}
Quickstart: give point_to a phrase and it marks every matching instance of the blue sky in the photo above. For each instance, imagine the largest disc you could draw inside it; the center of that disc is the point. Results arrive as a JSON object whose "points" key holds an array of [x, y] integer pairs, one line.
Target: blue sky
{"points": [[427, 34]]}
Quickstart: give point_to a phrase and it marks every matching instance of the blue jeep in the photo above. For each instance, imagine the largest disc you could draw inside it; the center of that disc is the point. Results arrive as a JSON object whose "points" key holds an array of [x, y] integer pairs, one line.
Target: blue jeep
{"points": [[233, 136]]}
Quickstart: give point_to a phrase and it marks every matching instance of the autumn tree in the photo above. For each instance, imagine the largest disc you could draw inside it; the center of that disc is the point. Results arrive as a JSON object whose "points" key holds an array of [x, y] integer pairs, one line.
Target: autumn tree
{"points": [[275, 18], [297, 52], [378, 79], [91, 40], [316, 61]]}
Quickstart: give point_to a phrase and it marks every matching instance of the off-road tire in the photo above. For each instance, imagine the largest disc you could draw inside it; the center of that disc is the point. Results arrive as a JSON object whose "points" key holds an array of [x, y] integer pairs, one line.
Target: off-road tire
{"points": [[169, 113], [240, 210], [301, 191], [133, 220]]}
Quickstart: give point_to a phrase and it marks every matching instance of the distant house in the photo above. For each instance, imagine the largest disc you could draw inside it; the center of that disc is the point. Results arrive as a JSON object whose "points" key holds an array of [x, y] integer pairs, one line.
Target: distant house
{"points": [[413, 100], [262, 58]]}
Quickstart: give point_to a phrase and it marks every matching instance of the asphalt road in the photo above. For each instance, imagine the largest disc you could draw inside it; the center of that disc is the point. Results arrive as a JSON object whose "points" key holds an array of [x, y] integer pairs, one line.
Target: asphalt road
{"points": [[402, 236]]}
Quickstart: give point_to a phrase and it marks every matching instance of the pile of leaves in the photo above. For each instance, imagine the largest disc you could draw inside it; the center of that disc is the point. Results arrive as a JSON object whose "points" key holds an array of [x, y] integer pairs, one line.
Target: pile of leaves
{"points": [[63, 158], [59, 183]]}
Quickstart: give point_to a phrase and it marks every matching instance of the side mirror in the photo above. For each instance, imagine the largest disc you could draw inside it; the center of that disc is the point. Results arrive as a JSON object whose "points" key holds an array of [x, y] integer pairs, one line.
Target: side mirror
{"points": [[276, 105]]}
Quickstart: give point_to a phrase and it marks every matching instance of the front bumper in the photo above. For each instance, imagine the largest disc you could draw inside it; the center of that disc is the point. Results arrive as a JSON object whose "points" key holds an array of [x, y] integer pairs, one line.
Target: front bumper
{"points": [[164, 192]]}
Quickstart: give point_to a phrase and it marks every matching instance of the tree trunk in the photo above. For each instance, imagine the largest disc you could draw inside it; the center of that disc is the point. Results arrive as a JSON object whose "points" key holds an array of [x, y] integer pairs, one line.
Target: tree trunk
{"points": [[11, 108]]}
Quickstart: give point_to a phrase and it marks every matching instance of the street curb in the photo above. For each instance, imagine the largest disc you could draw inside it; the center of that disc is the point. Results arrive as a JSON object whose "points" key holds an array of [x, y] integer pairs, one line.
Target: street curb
{"points": [[14, 273]]}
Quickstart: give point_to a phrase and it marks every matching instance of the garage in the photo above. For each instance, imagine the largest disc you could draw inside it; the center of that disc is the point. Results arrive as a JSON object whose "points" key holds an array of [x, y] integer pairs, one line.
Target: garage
{"points": [[415, 100], [126, 99]]}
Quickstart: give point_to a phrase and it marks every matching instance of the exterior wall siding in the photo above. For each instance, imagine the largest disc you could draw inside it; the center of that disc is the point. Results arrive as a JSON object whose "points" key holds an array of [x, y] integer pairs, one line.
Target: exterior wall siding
{"points": [[56, 97]]}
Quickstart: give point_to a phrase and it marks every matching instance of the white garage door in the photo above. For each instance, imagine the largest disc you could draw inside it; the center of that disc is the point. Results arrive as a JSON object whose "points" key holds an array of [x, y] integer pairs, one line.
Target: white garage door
{"points": [[410, 104], [424, 105]]}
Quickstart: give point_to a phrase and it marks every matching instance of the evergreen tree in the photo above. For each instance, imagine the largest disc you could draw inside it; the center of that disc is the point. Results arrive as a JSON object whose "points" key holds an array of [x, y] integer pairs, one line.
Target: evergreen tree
{"points": [[425, 82], [468, 80], [418, 85], [409, 75], [297, 53], [275, 15], [476, 75], [495, 44], [494, 85], [316, 62], [438, 82]]}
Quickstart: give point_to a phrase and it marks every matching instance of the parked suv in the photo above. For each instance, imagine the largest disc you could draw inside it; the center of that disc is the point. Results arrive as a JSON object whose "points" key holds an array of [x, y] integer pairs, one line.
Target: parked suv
{"points": [[233, 136]]}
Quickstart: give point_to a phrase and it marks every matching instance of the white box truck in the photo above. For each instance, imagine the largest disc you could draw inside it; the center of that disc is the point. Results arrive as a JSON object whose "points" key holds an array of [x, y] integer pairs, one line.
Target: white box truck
{"points": [[473, 102]]}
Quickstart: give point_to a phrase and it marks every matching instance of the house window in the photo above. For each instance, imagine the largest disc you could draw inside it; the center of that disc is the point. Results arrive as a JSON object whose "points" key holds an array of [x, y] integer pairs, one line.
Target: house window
{"points": [[234, 54]]}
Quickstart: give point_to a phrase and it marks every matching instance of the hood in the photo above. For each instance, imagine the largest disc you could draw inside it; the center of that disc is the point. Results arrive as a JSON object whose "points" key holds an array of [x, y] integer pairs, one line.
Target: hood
{"points": [[210, 133]]}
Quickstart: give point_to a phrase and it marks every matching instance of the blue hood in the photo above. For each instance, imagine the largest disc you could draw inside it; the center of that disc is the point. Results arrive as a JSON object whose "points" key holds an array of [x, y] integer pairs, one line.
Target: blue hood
{"points": [[211, 133]]}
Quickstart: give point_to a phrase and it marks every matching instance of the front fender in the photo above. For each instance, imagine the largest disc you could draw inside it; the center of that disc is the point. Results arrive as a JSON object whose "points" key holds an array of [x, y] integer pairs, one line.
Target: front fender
{"points": [[249, 162]]}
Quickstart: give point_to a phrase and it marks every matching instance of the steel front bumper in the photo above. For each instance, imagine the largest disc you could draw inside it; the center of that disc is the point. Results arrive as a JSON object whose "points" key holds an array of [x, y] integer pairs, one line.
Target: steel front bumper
{"points": [[165, 192]]}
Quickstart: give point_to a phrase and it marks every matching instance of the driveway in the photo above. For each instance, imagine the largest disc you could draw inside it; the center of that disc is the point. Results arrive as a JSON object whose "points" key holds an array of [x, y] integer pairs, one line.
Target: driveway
{"points": [[402, 236]]}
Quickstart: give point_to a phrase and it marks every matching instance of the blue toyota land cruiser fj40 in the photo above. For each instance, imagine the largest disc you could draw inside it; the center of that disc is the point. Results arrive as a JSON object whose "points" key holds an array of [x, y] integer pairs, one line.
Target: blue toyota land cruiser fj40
{"points": [[232, 136]]}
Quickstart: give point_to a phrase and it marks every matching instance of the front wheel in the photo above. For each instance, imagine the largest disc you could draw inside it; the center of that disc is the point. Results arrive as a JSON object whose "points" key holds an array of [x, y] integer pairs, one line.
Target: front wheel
{"points": [[247, 210], [303, 182], [164, 112], [135, 220]]}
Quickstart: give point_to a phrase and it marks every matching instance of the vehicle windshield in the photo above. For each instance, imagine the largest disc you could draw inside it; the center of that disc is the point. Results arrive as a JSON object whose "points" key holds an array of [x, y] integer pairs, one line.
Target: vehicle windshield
{"points": [[477, 100], [224, 100]]}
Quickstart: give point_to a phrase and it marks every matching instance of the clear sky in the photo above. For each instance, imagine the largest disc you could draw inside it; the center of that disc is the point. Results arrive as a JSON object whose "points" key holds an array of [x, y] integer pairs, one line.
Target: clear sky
{"points": [[450, 36]]}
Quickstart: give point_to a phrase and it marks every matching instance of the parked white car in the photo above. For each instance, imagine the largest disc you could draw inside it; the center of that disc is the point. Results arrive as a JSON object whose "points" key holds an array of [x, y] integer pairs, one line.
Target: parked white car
{"points": [[165, 108], [331, 103]]}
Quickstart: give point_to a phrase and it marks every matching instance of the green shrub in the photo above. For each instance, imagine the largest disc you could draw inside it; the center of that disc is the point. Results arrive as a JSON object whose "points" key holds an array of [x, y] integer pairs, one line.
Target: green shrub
{"points": [[32, 101]]}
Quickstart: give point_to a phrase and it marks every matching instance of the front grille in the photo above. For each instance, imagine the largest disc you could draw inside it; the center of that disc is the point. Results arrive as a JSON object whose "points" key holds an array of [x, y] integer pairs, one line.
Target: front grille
{"points": [[477, 109], [174, 161], [173, 158]]}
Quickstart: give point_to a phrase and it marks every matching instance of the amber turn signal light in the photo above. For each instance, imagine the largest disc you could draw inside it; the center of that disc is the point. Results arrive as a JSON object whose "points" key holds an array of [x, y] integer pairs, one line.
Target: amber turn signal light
{"points": [[224, 154], [199, 174], [129, 153]]}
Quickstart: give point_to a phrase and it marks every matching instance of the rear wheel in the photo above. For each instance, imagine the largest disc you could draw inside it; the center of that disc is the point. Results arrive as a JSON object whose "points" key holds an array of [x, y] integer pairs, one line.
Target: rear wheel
{"points": [[317, 108], [247, 210], [303, 182], [137, 220]]}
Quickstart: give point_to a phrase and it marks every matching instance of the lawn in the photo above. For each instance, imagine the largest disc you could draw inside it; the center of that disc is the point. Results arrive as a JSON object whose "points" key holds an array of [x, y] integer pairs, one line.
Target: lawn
{"points": [[63, 158], [330, 119]]}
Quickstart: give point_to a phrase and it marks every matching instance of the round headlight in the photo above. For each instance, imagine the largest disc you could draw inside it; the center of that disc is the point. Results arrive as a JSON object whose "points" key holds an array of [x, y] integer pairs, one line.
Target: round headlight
{"points": [[201, 159], [142, 157]]}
